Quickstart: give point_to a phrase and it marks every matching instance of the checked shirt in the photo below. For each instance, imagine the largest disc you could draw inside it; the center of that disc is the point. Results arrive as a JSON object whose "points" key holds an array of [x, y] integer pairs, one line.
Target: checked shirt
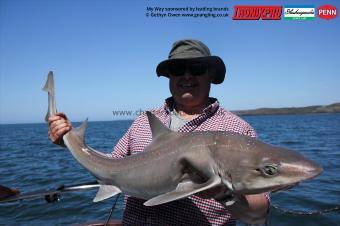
{"points": [[189, 211]]}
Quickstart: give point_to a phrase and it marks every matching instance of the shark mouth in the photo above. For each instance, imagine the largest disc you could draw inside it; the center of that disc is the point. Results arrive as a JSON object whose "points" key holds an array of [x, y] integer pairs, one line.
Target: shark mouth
{"points": [[285, 187]]}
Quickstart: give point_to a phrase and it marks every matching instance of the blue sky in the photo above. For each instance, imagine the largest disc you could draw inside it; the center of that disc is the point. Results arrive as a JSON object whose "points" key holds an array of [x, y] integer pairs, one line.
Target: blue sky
{"points": [[104, 55]]}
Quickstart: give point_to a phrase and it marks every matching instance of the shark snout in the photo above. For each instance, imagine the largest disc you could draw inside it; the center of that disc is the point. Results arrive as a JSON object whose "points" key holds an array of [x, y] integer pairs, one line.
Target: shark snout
{"points": [[314, 170], [308, 169]]}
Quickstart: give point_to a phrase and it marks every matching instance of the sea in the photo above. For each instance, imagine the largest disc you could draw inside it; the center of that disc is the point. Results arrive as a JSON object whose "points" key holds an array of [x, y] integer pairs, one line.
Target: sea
{"points": [[30, 162]]}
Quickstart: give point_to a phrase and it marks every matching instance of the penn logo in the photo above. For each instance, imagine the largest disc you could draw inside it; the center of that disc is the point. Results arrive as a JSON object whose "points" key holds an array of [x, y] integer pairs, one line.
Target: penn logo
{"points": [[246, 12], [327, 12]]}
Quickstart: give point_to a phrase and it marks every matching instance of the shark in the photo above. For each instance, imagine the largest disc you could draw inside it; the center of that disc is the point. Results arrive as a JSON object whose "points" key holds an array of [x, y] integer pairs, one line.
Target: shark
{"points": [[176, 165]]}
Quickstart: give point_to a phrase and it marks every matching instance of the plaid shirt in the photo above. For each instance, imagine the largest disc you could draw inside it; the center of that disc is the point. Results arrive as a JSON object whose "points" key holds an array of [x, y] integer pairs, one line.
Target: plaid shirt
{"points": [[193, 210]]}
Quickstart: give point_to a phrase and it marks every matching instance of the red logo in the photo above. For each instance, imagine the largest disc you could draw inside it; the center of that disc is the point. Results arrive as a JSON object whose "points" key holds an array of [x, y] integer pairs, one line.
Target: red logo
{"points": [[245, 12], [327, 12]]}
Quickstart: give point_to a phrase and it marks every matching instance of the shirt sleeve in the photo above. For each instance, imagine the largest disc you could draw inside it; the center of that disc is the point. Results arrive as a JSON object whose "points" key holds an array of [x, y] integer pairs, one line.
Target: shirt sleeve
{"points": [[122, 148], [250, 131]]}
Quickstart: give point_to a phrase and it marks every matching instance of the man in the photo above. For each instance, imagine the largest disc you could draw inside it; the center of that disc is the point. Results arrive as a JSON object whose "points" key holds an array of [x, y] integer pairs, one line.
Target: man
{"points": [[191, 70]]}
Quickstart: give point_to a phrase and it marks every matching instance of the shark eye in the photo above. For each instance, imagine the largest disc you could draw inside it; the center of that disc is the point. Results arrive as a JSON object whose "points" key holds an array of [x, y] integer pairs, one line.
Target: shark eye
{"points": [[270, 170]]}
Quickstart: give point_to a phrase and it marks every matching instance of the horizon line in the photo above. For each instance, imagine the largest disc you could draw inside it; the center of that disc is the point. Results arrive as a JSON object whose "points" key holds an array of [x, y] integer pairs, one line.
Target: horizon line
{"points": [[127, 118]]}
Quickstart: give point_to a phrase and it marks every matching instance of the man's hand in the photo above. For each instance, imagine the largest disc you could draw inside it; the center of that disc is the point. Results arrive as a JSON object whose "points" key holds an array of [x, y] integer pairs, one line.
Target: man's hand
{"points": [[58, 126], [251, 209]]}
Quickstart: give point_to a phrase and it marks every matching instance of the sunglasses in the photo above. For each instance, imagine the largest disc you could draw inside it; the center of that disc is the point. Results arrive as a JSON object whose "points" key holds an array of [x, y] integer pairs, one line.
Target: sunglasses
{"points": [[194, 68]]}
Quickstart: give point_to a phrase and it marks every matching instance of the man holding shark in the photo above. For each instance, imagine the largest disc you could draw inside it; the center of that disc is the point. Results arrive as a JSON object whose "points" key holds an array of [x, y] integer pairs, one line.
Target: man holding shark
{"points": [[191, 70]]}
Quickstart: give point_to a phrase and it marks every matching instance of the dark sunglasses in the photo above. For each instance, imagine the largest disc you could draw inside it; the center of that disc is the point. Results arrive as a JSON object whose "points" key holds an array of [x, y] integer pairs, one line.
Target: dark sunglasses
{"points": [[194, 68]]}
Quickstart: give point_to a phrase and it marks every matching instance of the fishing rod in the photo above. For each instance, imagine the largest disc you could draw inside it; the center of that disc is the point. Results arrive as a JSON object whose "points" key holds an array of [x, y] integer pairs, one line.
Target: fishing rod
{"points": [[51, 195]]}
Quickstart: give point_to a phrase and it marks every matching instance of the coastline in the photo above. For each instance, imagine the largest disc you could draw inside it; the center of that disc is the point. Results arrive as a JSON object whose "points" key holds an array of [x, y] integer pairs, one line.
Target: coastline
{"points": [[316, 109]]}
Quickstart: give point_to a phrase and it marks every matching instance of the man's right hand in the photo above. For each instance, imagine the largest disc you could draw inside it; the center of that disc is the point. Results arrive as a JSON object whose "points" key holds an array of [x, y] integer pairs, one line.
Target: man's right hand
{"points": [[58, 126]]}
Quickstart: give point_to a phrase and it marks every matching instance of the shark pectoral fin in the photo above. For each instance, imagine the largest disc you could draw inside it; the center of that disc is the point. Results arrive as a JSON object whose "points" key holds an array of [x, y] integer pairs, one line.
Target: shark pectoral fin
{"points": [[105, 192], [183, 190]]}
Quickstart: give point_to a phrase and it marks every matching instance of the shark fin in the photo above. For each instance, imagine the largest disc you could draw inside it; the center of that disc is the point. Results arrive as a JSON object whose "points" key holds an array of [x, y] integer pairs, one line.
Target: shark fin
{"points": [[47, 116], [49, 85], [77, 133], [183, 190], [157, 127], [49, 88], [105, 192], [81, 129]]}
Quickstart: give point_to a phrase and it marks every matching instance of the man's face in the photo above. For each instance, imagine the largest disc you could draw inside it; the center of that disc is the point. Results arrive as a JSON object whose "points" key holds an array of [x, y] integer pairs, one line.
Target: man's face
{"points": [[190, 82]]}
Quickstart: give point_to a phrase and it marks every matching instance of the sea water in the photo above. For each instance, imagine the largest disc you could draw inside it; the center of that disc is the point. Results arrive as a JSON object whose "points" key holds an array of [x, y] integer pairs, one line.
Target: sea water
{"points": [[30, 162]]}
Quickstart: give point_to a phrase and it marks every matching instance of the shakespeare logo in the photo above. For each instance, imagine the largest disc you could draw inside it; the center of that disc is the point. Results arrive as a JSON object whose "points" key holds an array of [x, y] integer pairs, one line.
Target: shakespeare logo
{"points": [[245, 12], [327, 12], [299, 12]]}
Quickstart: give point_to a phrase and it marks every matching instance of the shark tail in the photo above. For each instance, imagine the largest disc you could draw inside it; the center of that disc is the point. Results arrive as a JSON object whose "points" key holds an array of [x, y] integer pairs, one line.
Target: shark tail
{"points": [[49, 85], [75, 142], [77, 135], [49, 88]]}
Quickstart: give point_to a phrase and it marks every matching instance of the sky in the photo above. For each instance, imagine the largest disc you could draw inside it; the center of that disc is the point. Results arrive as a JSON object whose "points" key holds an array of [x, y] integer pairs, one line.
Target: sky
{"points": [[104, 55]]}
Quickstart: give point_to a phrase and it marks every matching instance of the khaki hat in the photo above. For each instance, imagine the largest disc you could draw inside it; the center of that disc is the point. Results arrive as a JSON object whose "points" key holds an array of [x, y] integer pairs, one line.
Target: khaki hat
{"points": [[192, 50]]}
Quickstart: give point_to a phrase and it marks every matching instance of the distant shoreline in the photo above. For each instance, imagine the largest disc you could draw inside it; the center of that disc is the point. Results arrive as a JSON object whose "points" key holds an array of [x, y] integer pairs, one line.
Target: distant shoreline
{"points": [[332, 108]]}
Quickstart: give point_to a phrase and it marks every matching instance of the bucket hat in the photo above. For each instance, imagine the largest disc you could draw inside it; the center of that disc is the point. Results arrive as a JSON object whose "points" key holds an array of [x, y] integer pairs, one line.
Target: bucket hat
{"points": [[190, 49]]}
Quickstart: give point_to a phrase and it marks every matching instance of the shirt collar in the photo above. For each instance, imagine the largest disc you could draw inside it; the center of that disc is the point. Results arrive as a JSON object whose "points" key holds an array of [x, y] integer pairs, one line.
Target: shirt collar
{"points": [[210, 109]]}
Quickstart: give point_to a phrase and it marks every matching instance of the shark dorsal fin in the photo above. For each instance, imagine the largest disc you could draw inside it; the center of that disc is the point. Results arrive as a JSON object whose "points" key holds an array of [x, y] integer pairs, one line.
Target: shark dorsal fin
{"points": [[157, 127]]}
